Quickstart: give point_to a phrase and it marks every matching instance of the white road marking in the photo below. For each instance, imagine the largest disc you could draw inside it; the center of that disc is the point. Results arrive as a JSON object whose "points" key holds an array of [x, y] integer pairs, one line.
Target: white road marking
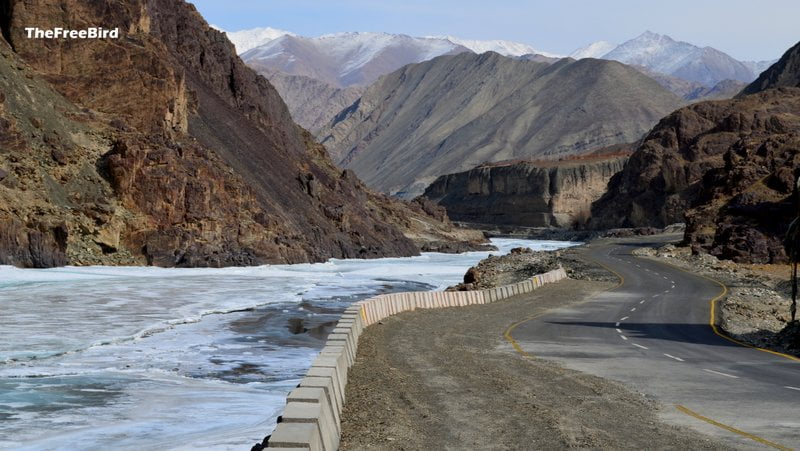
{"points": [[616, 324], [674, 358], [642, 301], [633, 309], [666, 291], [618, 331], [673, 286], [624, 337], [637, 265], [792, 388], [655, 295], [647, 270], [666, 278], [640, 346], [721, 374], [656, 273], [623, 318]]}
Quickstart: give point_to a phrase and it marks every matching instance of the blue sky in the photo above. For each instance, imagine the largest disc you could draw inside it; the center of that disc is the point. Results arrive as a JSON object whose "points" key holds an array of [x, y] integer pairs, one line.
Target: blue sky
{"points": [[747, 30]]}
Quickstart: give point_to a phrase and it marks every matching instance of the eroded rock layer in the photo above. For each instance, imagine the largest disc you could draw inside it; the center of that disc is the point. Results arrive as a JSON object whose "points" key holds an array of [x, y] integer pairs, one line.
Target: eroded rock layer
{"points": [[543, 194]]}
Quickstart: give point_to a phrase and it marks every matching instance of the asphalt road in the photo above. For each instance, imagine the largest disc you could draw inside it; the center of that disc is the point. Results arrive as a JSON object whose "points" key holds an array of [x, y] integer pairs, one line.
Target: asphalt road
{"points": [[652, 333]]}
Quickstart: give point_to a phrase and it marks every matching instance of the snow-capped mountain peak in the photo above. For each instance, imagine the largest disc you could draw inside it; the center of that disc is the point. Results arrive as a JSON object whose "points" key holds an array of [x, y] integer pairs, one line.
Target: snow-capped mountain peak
{"points": [[507, 48], [594, 50], [245, 40], [663, 54], [346, 59]]}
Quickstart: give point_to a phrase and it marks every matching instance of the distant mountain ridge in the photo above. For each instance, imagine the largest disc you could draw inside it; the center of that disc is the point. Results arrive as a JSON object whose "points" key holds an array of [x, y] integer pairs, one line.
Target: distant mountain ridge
{"points": [[705, 65], [296, 55], [346, 59], [455, 112], [594, 50], [245, 40], [505, 48], [315, 75]]}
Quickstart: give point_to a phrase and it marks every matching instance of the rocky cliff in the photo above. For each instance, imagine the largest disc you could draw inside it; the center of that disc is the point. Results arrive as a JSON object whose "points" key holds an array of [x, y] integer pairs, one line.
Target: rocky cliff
{"points": [[534, 194], [453, 113], [161, 147], [724, 167]]}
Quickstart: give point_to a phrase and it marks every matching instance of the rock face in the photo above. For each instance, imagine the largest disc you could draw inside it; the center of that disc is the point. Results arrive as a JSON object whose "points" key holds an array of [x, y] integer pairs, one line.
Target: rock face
{"points": [[162, 147], [724, 167], [784, 73], [453, 113], [526, 193]]}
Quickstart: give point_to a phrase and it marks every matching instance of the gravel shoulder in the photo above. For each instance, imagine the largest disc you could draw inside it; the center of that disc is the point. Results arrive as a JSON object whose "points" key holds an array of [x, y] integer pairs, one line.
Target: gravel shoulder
{"points": [[447, 379]]}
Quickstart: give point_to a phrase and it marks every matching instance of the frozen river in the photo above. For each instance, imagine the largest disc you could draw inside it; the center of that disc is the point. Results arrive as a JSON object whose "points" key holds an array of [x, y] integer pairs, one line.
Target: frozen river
{"points": [[153, 358]]}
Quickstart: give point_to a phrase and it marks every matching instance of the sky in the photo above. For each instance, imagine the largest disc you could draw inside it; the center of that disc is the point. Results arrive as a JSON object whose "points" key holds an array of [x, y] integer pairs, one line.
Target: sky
{"points": [[746, 30]]}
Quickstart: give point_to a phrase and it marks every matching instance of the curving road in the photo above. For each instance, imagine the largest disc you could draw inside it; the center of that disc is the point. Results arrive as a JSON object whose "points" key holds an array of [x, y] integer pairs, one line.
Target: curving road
{"points": [[652, 333]]}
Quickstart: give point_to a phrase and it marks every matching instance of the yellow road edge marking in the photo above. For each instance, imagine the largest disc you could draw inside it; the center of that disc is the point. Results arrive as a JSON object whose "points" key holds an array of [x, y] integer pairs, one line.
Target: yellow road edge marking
{"points": [[756, 438], [508, 334], [712, 320]]}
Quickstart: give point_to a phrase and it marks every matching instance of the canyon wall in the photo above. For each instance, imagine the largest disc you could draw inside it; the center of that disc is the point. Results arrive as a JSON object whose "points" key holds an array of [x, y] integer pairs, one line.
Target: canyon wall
{"points": [[525, 193]]}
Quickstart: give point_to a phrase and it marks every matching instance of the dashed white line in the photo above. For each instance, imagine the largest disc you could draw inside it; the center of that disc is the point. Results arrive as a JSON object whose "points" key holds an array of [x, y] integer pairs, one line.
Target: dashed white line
{"points": [[642, 301], [792, 388], [721, 374], [674, 358], [647, 270], [666, 291], [633, 309], [640, 346], [656, 295], [656, 273], [616, 324], [666, 278], [623, 318], [624, 337], [637, 265], [618, 331]]}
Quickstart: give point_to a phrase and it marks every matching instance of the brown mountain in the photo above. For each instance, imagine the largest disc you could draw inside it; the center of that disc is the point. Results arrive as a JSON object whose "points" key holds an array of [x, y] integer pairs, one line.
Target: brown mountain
{"points": [[784, 73], [162, 147], [724, 167], [312, 103], [453, 113]]}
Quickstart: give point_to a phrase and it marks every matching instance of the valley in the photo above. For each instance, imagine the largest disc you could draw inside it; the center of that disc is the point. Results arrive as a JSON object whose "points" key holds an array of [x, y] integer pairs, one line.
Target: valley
{"points": [[377, 225]]}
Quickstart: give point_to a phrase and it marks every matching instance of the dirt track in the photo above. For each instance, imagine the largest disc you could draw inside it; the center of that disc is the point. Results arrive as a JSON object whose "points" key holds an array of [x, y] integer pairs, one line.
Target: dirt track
{"points": [[447, 379]]}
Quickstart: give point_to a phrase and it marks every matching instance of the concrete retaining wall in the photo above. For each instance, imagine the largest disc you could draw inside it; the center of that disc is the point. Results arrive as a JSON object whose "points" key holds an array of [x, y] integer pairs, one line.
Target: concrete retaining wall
{"points": [[311, 419]]}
